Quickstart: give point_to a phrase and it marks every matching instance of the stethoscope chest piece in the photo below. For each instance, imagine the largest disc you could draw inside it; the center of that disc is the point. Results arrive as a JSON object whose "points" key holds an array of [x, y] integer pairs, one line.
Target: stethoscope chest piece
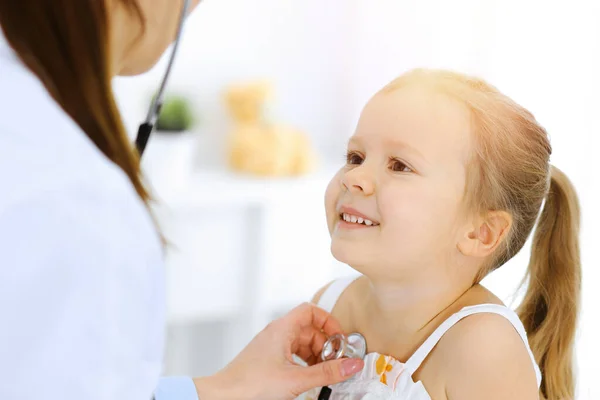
{"points": [[338, 346]]}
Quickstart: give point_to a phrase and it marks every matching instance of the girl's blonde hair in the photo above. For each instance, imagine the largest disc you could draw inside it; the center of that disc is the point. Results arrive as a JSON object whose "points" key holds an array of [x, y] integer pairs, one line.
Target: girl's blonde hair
{"points": [[510, 171]]}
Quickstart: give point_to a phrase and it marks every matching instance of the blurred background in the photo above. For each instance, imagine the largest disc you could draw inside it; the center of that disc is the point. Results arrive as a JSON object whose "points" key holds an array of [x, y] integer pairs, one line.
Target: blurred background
{"points": [[249, 240]]}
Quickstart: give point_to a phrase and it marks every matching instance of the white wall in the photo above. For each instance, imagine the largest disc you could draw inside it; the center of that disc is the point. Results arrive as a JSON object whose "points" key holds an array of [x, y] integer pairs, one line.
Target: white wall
{"points": [[328, 57], [296, 44]]}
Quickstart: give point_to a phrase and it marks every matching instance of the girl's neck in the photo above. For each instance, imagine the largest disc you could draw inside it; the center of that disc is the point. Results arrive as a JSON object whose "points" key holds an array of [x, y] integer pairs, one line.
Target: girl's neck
{"points": [[394, 311]]}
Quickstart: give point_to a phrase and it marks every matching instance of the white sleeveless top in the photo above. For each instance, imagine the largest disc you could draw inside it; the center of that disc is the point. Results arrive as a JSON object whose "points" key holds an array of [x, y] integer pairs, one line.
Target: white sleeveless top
{"points": [[384, 377]]}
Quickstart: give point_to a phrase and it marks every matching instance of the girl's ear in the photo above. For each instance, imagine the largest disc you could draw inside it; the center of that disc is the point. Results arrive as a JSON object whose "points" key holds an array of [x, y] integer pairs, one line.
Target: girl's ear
{"points": [[483, 237]]}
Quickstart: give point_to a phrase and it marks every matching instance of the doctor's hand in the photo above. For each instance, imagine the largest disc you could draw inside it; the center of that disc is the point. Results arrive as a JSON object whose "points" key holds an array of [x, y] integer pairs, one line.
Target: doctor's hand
{"points": [[265, 368]]}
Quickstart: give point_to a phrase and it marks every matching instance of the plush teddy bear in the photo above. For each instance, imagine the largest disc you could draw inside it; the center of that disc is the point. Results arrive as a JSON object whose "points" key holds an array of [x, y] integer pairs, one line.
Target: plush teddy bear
{"points": [[258, 146]]}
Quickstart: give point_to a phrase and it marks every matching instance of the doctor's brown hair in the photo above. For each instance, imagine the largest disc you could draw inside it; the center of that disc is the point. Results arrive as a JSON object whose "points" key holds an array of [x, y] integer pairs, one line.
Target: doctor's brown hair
{"points": [[66, 44], [510, 171]]}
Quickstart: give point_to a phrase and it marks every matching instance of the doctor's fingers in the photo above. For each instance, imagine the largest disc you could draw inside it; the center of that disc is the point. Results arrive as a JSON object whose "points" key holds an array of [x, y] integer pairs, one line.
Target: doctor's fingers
{"points": [[310, 316], [310, 340], [307, 356], [308, 344]]}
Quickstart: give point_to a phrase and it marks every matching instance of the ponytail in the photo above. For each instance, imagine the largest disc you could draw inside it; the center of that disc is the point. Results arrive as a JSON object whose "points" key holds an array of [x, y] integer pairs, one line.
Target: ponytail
{"points": [[550, 308]]}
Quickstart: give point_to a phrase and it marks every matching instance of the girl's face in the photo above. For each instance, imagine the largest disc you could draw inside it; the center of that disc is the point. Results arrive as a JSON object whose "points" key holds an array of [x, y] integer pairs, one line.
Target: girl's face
{"points": [[403, 185]]}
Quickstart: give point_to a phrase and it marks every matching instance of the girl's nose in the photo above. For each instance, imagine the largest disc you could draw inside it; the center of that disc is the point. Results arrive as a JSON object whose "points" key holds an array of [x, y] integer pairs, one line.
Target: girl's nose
{"points": [[358, 180]]}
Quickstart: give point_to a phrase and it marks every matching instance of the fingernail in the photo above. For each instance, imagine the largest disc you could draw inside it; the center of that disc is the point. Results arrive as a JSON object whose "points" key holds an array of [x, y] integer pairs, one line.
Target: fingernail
{"points": [[350, 366]]}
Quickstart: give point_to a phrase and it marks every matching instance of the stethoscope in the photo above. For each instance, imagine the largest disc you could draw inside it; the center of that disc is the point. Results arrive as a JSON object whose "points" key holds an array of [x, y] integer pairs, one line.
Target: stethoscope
{"points": [[339, 346], [147, 126]]}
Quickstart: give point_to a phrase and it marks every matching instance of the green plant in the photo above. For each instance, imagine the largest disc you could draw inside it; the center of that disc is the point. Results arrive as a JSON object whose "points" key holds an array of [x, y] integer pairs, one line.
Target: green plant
{"points": [[176, 115]]}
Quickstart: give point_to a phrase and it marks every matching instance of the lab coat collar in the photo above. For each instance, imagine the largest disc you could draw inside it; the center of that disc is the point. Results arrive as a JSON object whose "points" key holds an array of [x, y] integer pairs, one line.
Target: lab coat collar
{"points": [[22, 95]]}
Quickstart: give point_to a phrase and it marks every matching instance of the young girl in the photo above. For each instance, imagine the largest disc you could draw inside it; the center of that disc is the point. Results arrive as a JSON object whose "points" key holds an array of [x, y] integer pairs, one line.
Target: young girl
{"points": [[444, 181]]}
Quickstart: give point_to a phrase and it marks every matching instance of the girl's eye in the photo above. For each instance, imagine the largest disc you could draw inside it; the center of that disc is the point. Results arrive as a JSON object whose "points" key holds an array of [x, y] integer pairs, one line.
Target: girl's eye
{"points": [[353, 158], [399, 166]]}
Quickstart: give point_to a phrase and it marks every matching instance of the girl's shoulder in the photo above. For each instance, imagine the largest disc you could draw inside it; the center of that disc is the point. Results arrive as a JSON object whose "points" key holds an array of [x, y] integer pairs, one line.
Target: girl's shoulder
{"points": [[487, 357]]}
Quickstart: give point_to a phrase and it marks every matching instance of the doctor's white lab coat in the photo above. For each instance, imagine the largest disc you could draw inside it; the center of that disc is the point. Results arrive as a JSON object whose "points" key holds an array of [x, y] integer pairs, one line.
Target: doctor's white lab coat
{"points": [[81, 267]]}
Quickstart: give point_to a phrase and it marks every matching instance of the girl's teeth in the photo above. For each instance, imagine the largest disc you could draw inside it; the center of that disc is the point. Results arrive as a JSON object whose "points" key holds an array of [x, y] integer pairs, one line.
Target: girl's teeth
{"points": [[354, 219]]}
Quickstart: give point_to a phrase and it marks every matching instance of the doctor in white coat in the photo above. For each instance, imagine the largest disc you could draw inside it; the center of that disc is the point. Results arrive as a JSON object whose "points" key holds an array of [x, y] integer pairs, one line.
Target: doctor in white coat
{"points": [[81, 264]]}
